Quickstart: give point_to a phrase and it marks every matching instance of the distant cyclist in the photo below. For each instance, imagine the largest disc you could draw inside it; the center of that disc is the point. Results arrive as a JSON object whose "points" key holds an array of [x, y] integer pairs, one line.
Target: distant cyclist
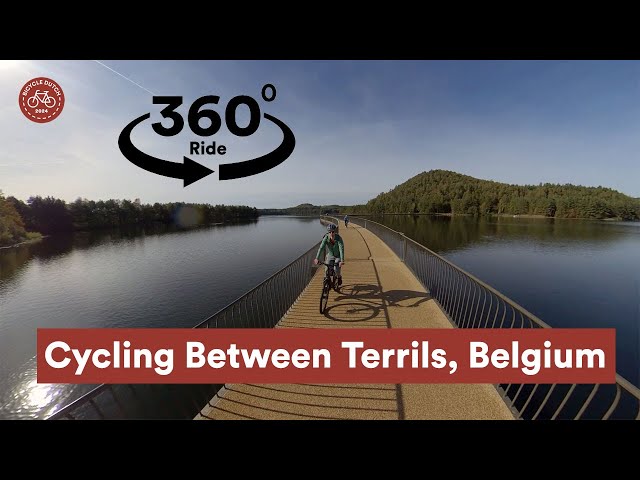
{"points": [[346, 221], [334, 246]]}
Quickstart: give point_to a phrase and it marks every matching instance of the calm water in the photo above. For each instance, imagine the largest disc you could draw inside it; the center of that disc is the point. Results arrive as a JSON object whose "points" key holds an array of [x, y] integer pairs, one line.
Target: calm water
{"points": [[570, 273], [135, 279]]}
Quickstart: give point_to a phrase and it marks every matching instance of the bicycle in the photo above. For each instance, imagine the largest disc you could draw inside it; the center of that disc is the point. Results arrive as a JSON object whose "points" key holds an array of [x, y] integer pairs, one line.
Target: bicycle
{"points": [[41, 96], [330, 282]]}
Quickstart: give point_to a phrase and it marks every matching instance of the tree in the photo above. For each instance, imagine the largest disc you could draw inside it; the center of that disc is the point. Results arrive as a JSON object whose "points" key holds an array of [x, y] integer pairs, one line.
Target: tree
{"points": [[12, 229]]}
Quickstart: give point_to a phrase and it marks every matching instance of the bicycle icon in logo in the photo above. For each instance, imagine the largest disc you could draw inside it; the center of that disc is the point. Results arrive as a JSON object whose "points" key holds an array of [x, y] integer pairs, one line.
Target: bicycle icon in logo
{"points": [[41, 96]]}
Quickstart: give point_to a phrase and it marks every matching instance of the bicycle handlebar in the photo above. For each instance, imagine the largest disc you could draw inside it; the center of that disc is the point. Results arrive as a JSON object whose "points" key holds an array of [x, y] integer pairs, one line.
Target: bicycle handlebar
{"points": [[331, 264]]}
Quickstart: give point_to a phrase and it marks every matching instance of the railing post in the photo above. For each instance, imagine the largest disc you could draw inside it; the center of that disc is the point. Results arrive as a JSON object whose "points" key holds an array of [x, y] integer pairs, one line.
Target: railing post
{"points": [[365, 224], [404, 246]]}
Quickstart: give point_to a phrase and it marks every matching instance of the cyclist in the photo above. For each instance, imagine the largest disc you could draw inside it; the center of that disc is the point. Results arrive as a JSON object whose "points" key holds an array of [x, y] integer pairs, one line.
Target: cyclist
{"points": [[346, 221], [334, 246]]}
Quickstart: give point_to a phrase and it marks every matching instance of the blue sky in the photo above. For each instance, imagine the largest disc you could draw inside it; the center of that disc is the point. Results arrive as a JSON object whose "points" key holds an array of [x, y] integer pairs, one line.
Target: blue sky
{"points": [[361, 127]]}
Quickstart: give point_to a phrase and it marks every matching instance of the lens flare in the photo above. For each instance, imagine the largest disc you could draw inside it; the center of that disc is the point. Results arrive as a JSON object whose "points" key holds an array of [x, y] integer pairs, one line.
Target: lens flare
{"points": [[187, 216]]}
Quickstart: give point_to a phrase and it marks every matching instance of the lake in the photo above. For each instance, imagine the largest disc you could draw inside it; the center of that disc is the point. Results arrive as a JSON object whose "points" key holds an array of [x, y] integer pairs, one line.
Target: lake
{"points": [[132, 279], [570, 273]]}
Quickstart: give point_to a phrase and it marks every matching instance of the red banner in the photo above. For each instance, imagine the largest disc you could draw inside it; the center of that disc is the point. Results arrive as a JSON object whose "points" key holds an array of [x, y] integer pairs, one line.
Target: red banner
{"points": [[326, 355]]}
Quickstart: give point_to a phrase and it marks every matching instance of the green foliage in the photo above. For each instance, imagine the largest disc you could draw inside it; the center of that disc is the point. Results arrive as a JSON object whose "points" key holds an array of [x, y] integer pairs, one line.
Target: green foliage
{"points": [[89, 214], [443, 192], [12, 229], [51, 215], [304, 209]]}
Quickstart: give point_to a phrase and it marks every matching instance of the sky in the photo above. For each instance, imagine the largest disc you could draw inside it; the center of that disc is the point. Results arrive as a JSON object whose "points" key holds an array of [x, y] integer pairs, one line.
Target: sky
{"points": [[361, 127]]}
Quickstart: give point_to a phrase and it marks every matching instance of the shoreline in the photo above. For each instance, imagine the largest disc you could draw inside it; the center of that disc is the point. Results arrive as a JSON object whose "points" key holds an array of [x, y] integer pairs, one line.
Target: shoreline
{"points": [[31, 240], [501, 215], [81, 231]]}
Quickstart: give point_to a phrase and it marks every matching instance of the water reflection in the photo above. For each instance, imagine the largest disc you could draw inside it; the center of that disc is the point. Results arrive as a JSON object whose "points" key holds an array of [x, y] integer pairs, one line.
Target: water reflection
{"points": [[444, 234], [51, 248], [569, 273], [131, 278], [28, 399]]}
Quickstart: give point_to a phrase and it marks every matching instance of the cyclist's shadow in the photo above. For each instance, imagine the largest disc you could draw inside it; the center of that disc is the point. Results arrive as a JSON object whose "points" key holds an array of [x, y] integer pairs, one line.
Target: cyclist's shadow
{"points": [[392, 298]]}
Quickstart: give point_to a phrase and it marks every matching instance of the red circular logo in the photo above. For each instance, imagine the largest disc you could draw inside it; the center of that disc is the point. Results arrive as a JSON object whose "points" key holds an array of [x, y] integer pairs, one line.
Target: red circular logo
{"points": [[41, 100]]}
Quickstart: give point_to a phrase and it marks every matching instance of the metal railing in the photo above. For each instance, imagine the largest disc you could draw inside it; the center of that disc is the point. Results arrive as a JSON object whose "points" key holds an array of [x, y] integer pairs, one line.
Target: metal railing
{"points": [[467, 301], [261, 307], [470, 303]]}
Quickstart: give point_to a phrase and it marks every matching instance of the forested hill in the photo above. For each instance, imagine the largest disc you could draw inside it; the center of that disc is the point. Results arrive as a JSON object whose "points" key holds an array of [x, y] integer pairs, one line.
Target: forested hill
{"points": [[442, 191], [303, 209]]}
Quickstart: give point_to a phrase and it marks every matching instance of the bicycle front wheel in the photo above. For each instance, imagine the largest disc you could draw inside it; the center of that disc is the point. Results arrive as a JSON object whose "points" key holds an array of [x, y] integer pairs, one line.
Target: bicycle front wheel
{"points": [[324, 296]]}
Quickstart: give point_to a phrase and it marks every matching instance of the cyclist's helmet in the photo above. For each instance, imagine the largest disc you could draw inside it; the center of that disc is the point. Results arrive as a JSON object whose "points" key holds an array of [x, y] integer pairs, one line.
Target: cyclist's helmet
{"points": [[331, 228]]}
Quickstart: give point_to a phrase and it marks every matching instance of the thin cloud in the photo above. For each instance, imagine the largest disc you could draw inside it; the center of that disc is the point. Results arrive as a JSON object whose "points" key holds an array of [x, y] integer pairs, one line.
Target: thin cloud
{"points": [[29, 164], [126, 78]]}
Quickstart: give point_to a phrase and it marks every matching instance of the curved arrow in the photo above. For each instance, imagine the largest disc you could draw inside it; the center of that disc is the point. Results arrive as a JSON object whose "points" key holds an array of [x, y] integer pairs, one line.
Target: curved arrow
{"points": [[266, 162], [189, 170]]}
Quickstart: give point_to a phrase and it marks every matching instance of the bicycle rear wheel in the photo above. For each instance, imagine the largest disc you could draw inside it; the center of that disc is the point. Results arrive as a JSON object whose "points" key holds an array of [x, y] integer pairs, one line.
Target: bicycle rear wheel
{"points": [[324, 296]]}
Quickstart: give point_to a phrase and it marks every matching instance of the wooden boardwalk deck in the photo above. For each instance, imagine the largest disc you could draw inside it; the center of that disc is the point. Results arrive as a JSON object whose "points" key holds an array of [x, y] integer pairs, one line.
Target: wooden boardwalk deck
{"points": [[379, 291]]}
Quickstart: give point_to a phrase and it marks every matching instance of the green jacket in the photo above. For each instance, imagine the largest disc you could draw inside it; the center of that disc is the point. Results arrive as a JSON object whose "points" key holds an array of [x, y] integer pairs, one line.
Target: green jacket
{"points": [[336, 249]]}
